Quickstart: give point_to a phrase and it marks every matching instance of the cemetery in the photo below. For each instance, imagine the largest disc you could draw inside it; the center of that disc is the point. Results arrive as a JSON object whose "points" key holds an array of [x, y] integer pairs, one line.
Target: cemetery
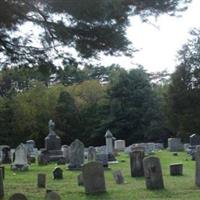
{"points": [[112, 171], [99, 100]]}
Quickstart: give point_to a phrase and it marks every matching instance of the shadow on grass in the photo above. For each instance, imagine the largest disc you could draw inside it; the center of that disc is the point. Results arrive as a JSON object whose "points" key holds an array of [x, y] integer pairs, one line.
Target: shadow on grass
{"points": [[97, 196]]}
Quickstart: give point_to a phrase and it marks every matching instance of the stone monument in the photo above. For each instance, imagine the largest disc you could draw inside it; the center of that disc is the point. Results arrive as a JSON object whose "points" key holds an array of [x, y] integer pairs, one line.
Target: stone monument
{"points": [[109, 146]]}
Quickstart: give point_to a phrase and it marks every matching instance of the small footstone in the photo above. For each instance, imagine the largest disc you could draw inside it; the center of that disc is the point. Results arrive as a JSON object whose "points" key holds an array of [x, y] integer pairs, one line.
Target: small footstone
{"points": [[18, 196], [52, 196], [119, 179], [41, 180], [176, 169]]}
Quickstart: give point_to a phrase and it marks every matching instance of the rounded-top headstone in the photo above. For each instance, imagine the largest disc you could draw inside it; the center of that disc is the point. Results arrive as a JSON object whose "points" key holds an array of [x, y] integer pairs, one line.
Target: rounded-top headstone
{"points": [[18, 196], [52, 196]]}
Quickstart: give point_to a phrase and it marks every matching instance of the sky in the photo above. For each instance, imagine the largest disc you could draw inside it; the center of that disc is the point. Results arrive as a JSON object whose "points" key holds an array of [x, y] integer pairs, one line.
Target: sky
{"points": [[159, 40]]}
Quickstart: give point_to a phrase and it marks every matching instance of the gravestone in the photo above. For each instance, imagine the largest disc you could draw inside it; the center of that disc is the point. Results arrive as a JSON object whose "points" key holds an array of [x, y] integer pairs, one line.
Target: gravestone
{"points": [[103, 159], [80, 179], [136, 163], [18, 196], [5, 154], [1, 184], [175, 144], [119, 179], [41, 180], [194, 139], [53, 144], [66, 153], [2, 168], [91, 154], [30, 146], [76, 155], [176, 169], [109, 146], [120, 145], [57, 173], [197, 169], [43, 158], [52, 196], [93, 176], [153, 173], [21, 161]]}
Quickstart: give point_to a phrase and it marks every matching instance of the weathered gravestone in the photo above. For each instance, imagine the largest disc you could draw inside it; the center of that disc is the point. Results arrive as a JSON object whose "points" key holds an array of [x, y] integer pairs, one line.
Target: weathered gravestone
{"points": [[2, 168], [93, 176], [119, 179], [136, 163], [41, 180], [30, 146], [91, 154], [109, 146], [120, 145], [176, 169], [43, 158], [18, 196], [80, 179], [197, 170], [76, 155], [1, 184], [153, 173], [5, 152], [52, 196], [175, 144], [57, 173], [66, 153], [21, 161], [103, 159], [194, 139]]}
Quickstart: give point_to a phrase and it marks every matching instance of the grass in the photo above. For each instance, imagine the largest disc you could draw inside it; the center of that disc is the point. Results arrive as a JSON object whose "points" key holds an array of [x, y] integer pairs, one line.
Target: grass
{"points": [[176, 187]]}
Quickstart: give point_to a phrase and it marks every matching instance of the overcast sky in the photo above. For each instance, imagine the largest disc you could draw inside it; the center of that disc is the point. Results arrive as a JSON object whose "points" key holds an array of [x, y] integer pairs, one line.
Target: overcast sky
{"points": [[159, 43]]}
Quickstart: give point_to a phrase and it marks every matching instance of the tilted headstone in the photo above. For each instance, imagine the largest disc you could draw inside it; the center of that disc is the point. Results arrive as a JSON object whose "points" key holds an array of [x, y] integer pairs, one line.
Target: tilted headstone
{"points": [[41, 180], [76, 155], [153, 173], [175, 144], [93, 176], [120, 145], [66, 153], [1, 184], [119, 179], [21, 161], [176, 169], [52, 196], [91, 154], [197, 170], [80, 179], [136, 163], [194, 139], [18, 196], [57, 173]]}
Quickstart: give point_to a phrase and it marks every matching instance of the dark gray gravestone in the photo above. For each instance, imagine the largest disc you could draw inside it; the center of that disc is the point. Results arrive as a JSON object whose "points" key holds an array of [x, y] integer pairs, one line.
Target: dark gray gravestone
{"points": [[103, 159], [1, 184], [57, 173], [136, 163], [153, 173], [18, 196], [176, 169], [80, 180], [119, 179], [76, 155], [93, 176], [52, 196], [6, 159], [194, 139], [41, 180], [43, 158], [197, 170], [3, 171]]}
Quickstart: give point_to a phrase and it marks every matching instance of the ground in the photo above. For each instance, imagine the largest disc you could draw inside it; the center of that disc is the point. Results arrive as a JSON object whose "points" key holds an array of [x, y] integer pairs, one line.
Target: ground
{"points": [[179, 188]]}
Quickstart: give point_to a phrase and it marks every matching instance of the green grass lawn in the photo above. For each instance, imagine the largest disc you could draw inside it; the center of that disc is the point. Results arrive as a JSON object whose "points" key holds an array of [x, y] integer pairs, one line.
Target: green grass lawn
{"points": [[176, 187]]}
